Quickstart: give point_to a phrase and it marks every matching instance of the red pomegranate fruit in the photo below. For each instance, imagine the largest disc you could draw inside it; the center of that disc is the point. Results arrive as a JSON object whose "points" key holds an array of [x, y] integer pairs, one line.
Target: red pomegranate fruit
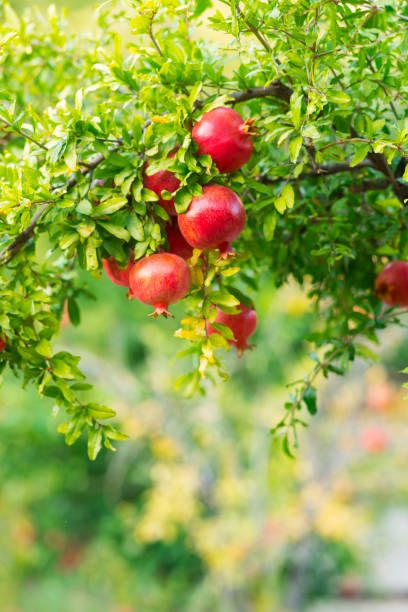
{"points": [[3, 343], [226, 137], [118, 275], [214, 219], [177, 243], [160, 181], [391, 285], [159, 280], [242, 325]]}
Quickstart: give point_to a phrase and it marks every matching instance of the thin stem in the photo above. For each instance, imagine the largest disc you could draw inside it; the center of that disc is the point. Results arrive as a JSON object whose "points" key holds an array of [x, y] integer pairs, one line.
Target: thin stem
{"points": [[254, 31], [23, 134], [344, 141], [153, 38]]}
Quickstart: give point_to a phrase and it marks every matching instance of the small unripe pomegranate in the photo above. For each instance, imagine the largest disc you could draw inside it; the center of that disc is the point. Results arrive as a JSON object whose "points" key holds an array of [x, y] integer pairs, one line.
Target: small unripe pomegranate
{"points": [[3, 343], [177, 243], [226, 137], [242, 325], [214, 219], [118, 275], [159, 280], [391, 285], [160, 181]]}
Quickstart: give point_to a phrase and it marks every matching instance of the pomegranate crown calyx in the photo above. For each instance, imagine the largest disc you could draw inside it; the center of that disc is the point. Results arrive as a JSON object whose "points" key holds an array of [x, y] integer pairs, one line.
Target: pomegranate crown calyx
{"points": [[249, 128]]}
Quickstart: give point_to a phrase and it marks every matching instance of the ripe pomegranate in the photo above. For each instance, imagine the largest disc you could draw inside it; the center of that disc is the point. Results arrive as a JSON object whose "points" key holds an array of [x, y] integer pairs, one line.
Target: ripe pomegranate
{"points": [[3, 343], [213, 219], [391, 285], [242, 325], [159, 280], [177, 244], [226, 137], [163, 180], [118, 275]]}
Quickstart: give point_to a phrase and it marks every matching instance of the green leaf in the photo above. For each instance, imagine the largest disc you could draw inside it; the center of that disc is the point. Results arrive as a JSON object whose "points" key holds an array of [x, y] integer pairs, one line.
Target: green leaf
{"points": [[64, 365], [97, 411], [338, 97], [223, 298], [360, 154], [94, 443], [135, 227], [71, 156], [44, 348], [74, 312], [295, 146], [110, 206], [295, 108], [310, 399], [269, 226], [286, 199], [182, 200], [85, 207], [115, 230]]}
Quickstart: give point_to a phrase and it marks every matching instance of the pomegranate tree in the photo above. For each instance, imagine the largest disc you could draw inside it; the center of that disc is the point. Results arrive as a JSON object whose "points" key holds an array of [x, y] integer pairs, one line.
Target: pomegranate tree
{"points": [[159, 280], [243, 326], [326, 196], [391, 285], [214, 219], [226, 137]]}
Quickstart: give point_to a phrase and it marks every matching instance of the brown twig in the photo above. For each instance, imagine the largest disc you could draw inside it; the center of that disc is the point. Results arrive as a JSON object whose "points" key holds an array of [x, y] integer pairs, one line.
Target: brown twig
{"points": [[319, 171], [12, 249], [276, 89], [23, 134]]}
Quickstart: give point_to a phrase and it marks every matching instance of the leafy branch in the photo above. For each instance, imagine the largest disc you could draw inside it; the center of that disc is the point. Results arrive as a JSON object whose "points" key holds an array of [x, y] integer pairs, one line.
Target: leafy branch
{"points": [[335, 360]]}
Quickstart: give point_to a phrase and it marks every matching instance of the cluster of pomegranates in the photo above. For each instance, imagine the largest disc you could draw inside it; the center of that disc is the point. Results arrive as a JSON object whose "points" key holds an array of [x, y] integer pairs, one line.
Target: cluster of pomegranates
{"points": [[213, 220]]}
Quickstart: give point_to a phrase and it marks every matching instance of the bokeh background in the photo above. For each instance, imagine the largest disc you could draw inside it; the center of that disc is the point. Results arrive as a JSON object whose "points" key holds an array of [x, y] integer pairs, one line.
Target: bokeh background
{"points": [[199, 511]]}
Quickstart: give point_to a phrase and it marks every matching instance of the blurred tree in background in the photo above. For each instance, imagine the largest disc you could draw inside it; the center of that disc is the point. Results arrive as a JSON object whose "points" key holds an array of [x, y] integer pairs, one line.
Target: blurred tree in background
{"points": [[198, 510]]}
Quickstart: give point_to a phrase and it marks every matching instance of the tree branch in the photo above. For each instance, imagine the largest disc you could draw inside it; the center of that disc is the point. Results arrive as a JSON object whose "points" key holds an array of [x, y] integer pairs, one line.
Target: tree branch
{"points": [[320, 171], [370, 185], [12, 249], [276, 89]]}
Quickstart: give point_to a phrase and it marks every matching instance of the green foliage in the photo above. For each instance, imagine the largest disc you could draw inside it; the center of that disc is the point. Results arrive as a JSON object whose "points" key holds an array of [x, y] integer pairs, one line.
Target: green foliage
{"points": [[324, 192]]}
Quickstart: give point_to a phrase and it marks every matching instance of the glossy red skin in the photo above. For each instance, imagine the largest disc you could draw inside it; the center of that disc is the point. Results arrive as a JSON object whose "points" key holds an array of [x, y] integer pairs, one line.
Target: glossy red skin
{"points": [[242, 325], [177, 243], [164, 180], [221, 134], [3, 344], [118, 275], [213, 219], [160, 280], [391, 285]]}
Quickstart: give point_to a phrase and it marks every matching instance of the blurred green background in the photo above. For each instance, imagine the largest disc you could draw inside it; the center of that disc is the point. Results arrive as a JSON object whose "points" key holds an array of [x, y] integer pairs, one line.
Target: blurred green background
{"points": [[198, 511]]}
